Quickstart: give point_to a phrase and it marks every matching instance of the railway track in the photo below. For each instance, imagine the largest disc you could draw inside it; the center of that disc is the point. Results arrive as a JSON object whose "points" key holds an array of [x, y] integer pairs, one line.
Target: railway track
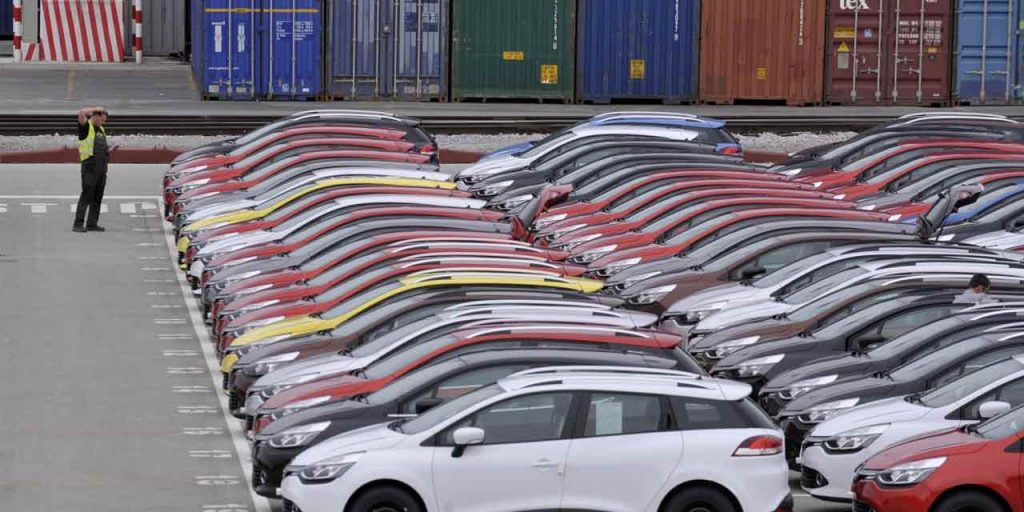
{"points": [[233, 124]]}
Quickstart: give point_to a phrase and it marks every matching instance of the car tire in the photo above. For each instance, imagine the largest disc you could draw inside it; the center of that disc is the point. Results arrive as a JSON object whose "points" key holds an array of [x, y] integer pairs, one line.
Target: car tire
{"points": [[699, 499], [969, 501], [385, 498]]}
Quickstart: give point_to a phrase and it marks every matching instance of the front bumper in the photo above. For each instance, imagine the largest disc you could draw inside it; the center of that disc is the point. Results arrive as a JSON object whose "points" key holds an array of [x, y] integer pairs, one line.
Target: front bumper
{"points": [[795, 431], [327, 497], [771, 402], [269, 464], [872, 497], [828, 476]]}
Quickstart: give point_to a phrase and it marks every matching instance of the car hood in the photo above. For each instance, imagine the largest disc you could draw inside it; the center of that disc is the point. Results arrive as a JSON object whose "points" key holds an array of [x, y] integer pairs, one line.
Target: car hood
{"points": [[857, 388], [737, 314], [505, 162], [733, 293], [998, 240], [949, 442], [662, 267], [842, 365], [238, 241], [220, 208], [890, 410], [323, 366], [374, 437], [337, 411]]}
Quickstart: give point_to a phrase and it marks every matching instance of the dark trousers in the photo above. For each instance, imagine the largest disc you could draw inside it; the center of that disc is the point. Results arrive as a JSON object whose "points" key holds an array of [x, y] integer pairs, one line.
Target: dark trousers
{"points": [[94, 180]]}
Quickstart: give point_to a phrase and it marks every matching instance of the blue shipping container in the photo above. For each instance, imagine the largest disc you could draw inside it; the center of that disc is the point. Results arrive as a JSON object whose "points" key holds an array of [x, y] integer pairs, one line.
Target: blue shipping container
{"points": [[987, 49], [387, 49], [257, 49], [637, 49], [6, 19]]}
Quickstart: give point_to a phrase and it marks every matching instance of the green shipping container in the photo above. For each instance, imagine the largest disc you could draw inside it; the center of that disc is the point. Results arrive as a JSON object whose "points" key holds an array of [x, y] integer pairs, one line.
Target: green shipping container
{"points": [[513, 49]]}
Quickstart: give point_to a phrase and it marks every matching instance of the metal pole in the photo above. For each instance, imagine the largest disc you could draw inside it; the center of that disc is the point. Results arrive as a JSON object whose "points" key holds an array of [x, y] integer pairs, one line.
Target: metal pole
{"points": [[984, 48], [880, 57], [856, 67], [231, 49], [896, 55], [1009, 50], [295, 79], [920, 56], [419, 46], [355, 40], [395, 45], [137, 22], [270, 50], [17, 30], [376, 53]]}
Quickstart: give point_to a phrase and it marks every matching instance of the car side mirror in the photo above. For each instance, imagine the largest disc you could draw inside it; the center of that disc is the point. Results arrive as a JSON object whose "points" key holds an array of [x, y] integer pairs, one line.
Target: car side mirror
{"points": [[992, 409], [422, 406], [869, 340], [466, 436], [752, 272]]}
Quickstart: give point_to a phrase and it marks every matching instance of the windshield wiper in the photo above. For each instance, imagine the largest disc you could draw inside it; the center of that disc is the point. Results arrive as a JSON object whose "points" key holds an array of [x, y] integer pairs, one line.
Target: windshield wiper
{"points": [[361, 398], [914, 398]]}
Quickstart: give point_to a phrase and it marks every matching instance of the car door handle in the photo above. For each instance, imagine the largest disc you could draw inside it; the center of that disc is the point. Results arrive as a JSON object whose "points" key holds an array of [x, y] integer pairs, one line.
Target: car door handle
{"points": [[545, 463]]}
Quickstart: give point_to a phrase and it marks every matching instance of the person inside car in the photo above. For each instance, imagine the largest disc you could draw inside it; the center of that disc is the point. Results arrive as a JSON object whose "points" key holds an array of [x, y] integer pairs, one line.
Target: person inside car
{"points": [[976, 292]]}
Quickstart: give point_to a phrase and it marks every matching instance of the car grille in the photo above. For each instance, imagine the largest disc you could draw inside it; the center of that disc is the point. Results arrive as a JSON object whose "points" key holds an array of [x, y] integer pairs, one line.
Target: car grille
{"points": [[290, 507], [860, 506], [811, 479]]}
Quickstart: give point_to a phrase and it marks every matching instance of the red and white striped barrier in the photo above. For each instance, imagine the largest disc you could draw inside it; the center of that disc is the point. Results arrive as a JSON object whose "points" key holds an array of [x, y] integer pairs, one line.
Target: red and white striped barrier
{"points": [[137, 30], [77, 31], [17, 30]]}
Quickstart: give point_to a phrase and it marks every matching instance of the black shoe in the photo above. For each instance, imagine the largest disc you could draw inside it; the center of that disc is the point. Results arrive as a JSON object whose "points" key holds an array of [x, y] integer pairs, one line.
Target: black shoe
{"points": [[95, 228], [78, 229]]}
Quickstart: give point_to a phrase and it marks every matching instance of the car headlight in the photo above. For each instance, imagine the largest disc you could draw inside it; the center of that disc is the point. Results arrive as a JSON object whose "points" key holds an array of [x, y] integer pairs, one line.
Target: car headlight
{"points": [[478, 175], [266, 321], [329, 469], [758, 365], [513, 202], [593, 254], [868, 207], [575, 242], [911, 472], [723, 349], [194, 185], [791, 172], [803, 386], [650, 296], [495, 188], [295, 407], [856, 439], [701, 312], [543, 222], [298, 436], [269, 364], [260, 305], [820, 413], [617, 266]]}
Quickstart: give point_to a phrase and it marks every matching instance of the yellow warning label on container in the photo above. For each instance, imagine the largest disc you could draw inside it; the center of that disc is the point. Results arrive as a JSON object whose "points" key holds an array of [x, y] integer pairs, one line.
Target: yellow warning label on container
{"points": [[843, 48], [512, 55], [762, 73], [637, 69], [844, 33], [933, 50], [549, 74]]}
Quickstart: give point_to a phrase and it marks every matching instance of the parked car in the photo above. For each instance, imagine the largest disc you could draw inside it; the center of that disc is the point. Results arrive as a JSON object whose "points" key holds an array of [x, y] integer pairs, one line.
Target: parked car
{"points": [[834, 450], [917, 200], [971, 468], [498, 434]]}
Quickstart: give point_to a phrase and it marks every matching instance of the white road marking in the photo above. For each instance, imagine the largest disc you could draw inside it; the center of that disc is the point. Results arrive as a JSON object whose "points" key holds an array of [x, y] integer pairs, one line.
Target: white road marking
{"points": [[3, 207], [196, 409], [151, 257], [175, 336], [241, 444], [161, 293], [74, 206], [144, 216], [229, 507], [181, 353], [155, 281], [147, 244], [191, 389], [41, 207], [184, 370], [155, 269], [150, 198], [209, 454], [217, 480], [202, 431], [146, 230], [167, 306]]}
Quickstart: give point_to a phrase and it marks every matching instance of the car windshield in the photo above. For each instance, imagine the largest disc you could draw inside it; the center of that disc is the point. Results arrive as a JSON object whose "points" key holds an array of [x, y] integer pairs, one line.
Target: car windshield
{"points": [[399, 388], [936, 360], [410, 331], [436, 415], [818, 288], [427, 348], [1002, 426], [968, 384], [901, 344], [331, 257], [547, 144], [361, 300], [680, 204], [799, 267]]}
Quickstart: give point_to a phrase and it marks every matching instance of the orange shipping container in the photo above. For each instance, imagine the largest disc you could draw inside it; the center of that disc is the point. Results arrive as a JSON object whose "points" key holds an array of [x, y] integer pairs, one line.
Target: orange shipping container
{"points": [[762, 50]]}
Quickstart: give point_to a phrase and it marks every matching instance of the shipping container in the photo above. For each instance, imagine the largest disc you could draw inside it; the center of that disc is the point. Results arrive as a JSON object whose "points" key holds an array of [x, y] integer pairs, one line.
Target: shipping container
{"points": [[513, 49], [987, 46], [6, 19], [257, 49], [763, 51], [163, 27], [889, 52], [637, 49], [387, 49]]}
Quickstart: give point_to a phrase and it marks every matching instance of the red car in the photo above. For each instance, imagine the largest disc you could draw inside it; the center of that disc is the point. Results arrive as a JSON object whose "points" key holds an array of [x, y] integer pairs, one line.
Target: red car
{"points": [[991, 182], [400, 362], [329, 298], [609, 254], [872, 163], [236, 178], [663, 202], [978, 468], [643, 184], [284, 136], [648, 229], [338, 275]]}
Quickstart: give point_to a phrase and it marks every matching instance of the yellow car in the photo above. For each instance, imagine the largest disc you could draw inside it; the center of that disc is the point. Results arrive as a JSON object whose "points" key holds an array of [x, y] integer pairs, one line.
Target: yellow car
{"points": [[188, 231], [306, 324]]}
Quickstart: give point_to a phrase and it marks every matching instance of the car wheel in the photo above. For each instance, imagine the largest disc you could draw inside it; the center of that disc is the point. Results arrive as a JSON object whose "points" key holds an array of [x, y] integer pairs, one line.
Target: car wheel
{"points": [[385, 499], [969, 501], [699, 499]]}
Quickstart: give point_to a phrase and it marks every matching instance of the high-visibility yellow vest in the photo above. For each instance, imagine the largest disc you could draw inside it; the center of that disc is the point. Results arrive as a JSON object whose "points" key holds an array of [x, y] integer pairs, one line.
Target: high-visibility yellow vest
{"points": [[85, 146]]}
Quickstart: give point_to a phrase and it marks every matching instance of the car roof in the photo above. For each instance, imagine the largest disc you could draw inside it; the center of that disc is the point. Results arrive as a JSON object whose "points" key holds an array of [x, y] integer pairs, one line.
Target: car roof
{"points": [[655, 118], [627, 379]]}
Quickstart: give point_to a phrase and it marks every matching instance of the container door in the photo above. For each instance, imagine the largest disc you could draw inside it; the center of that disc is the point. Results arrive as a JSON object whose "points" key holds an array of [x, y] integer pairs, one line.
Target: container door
{"points": [[163, 26], [290, 63], [228, 34], [985, 43], [855, 51], [415, 49], [920, 51], [353, 50], [6, 19]]}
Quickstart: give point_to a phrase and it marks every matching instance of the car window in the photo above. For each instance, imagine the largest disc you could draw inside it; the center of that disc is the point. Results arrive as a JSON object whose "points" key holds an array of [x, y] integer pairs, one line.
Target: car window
{"points": [[711, 231], [867, 154], [932, 346], [998, 210], [779, 257], [465, 382], [587, 158], [793, 269], [699, 414], [807, 287], [647, 191], [611, 414], [547, 143], [956, 179], [881, 170], [908, 321], [445, 411], [962, 387], [971, 364], [856, 307], [1003, 426], [523, 419], [400, 321], [1011, 393]]}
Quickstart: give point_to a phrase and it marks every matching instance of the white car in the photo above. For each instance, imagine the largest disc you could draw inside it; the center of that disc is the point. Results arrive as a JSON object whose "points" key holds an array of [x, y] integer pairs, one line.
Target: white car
{"points": [[835, 448], [562, 438], [671, 126]]}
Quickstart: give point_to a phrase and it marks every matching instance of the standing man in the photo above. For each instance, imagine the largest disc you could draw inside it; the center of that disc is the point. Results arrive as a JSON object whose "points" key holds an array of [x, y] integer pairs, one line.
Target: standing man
{"points": [[94, 155]]}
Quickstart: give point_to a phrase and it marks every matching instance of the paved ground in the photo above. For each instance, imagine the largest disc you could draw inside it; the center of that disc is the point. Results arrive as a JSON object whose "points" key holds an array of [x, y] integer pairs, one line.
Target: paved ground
{"points": [[106, 380], [161, 87]]}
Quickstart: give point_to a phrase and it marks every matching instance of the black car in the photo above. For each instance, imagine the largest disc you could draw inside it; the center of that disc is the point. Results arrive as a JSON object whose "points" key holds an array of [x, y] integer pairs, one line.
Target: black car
{"points": [[294, 431], [845, 332], [940, 367], [925, 339], [942, 177]]}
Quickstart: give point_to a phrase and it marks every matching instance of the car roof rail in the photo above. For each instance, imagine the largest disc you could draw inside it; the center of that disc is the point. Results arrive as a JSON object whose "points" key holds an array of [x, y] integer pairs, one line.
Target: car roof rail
{"points": [[1012, 326], [644, 113], [473, 271], [1011, 336], [468, 243], [475, 256], [730, 390], [951, 113], [617, 370], [925, 120], [529, 302], [514, 310], [547, 326], [994, 305], [447, 274]]}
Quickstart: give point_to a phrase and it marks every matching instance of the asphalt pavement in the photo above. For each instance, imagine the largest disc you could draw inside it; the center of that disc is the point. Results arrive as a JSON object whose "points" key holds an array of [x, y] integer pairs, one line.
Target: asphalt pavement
{"points": [[109, 384]]}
